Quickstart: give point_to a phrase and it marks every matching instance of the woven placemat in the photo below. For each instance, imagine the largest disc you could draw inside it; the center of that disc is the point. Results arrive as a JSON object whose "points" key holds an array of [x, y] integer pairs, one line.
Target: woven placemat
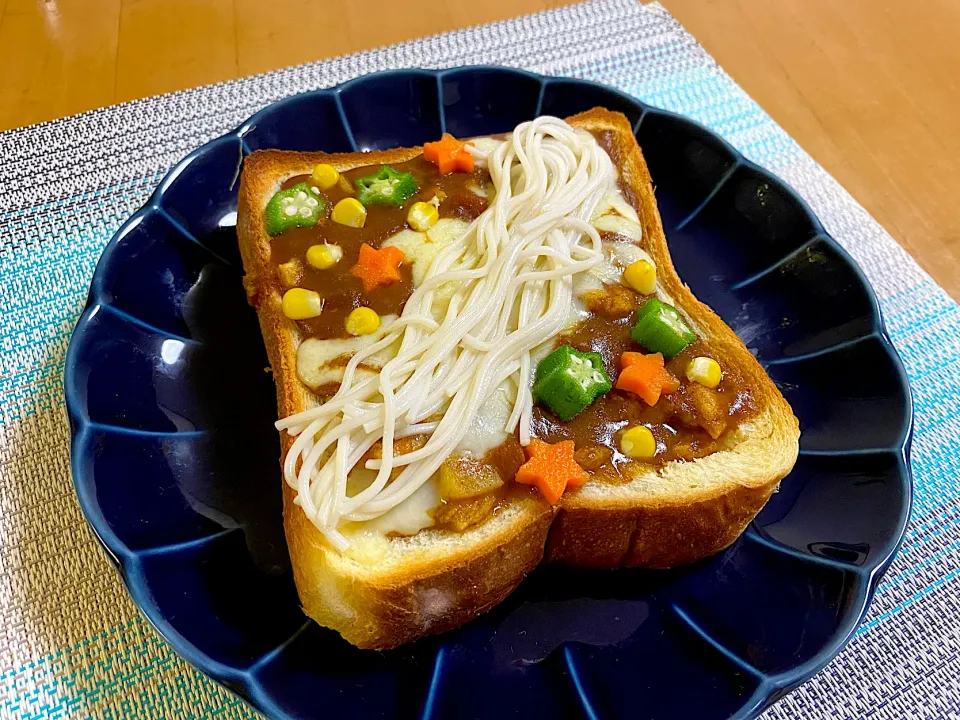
{"points": [[72, 643]]}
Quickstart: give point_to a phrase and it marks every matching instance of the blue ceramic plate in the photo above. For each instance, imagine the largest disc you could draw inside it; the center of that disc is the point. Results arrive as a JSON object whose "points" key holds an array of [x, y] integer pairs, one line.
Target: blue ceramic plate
{"points": [[175, 458]]}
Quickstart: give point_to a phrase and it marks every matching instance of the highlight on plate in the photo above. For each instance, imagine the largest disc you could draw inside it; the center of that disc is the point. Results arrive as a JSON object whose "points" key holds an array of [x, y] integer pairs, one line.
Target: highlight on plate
{"points": [[485, 358]]}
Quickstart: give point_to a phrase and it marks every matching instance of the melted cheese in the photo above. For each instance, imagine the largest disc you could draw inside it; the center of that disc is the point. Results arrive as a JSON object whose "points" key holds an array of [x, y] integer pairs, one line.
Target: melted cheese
{"points": [[421, 248], [619, 225], [613, 214], [486, 432], [486, 144], [322, 361], [477, 189], [613, 203], [409, 517]]}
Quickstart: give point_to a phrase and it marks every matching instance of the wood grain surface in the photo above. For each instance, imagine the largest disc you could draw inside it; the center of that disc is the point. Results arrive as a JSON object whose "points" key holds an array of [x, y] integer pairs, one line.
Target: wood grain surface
{"points": [[868, 87]]}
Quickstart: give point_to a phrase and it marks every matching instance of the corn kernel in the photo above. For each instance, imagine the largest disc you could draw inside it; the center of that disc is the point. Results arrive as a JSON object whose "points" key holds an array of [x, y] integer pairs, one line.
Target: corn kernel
{"points": [[362, 321], [705, 371], [642, 277], [638, 442], [324, 256], [300, 304], [349, 212], [422, 216], [325, 176]]}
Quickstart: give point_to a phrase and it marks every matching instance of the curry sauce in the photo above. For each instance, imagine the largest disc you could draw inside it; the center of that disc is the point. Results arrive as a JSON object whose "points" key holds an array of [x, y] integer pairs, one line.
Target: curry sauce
{"points": [[341, 291], [687, 424]]}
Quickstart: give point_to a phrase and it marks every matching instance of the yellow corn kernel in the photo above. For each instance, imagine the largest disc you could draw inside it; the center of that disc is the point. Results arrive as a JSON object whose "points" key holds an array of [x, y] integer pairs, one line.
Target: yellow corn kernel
{"points": [[362, 321], [324, 256], [638, 442], [325, 176], [705, 371], [300, 304], [422, 216], [349, 212], [642, 277]]}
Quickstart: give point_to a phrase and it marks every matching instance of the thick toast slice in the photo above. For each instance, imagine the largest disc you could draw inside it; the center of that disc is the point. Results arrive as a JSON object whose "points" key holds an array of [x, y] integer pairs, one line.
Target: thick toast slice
{"points": [[386, 593]]}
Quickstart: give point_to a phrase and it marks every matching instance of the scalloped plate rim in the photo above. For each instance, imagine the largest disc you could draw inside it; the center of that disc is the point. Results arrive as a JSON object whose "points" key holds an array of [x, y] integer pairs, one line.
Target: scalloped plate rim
{"points": [[242, 681]]}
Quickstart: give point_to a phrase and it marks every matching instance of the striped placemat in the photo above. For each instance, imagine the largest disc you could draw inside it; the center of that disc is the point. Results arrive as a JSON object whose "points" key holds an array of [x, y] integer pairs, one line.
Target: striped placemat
{"points": [[72, 643]]}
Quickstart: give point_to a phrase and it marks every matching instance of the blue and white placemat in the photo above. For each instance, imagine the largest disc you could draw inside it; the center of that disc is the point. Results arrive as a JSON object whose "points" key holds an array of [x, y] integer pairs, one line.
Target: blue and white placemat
{"points": [[72, 643]]}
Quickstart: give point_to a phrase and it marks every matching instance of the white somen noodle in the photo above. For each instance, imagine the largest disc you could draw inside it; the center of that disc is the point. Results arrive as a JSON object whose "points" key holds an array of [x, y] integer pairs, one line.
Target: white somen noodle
{"points": [[487, 300]]}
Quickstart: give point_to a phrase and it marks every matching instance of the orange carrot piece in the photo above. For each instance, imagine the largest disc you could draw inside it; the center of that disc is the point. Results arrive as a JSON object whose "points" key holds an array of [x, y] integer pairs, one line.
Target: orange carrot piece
{"points": [[645, 375], [448, 154], [378, 267], [551, 468]]}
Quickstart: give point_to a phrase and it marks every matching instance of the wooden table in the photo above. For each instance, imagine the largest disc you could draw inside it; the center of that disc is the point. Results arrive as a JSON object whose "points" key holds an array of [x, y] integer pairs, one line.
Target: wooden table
{"points": [[871, 88]]}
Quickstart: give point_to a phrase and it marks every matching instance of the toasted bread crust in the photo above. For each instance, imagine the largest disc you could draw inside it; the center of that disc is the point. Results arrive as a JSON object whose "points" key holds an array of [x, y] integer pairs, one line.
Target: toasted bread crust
{"points": [[654, 535], [439, 587], [426, 595]]}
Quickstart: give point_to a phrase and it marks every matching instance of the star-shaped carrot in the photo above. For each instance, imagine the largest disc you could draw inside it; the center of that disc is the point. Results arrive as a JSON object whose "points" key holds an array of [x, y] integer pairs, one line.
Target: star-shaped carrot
{"points": [[449, 154], [378, 267], [551, 468], [645, 375]]}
